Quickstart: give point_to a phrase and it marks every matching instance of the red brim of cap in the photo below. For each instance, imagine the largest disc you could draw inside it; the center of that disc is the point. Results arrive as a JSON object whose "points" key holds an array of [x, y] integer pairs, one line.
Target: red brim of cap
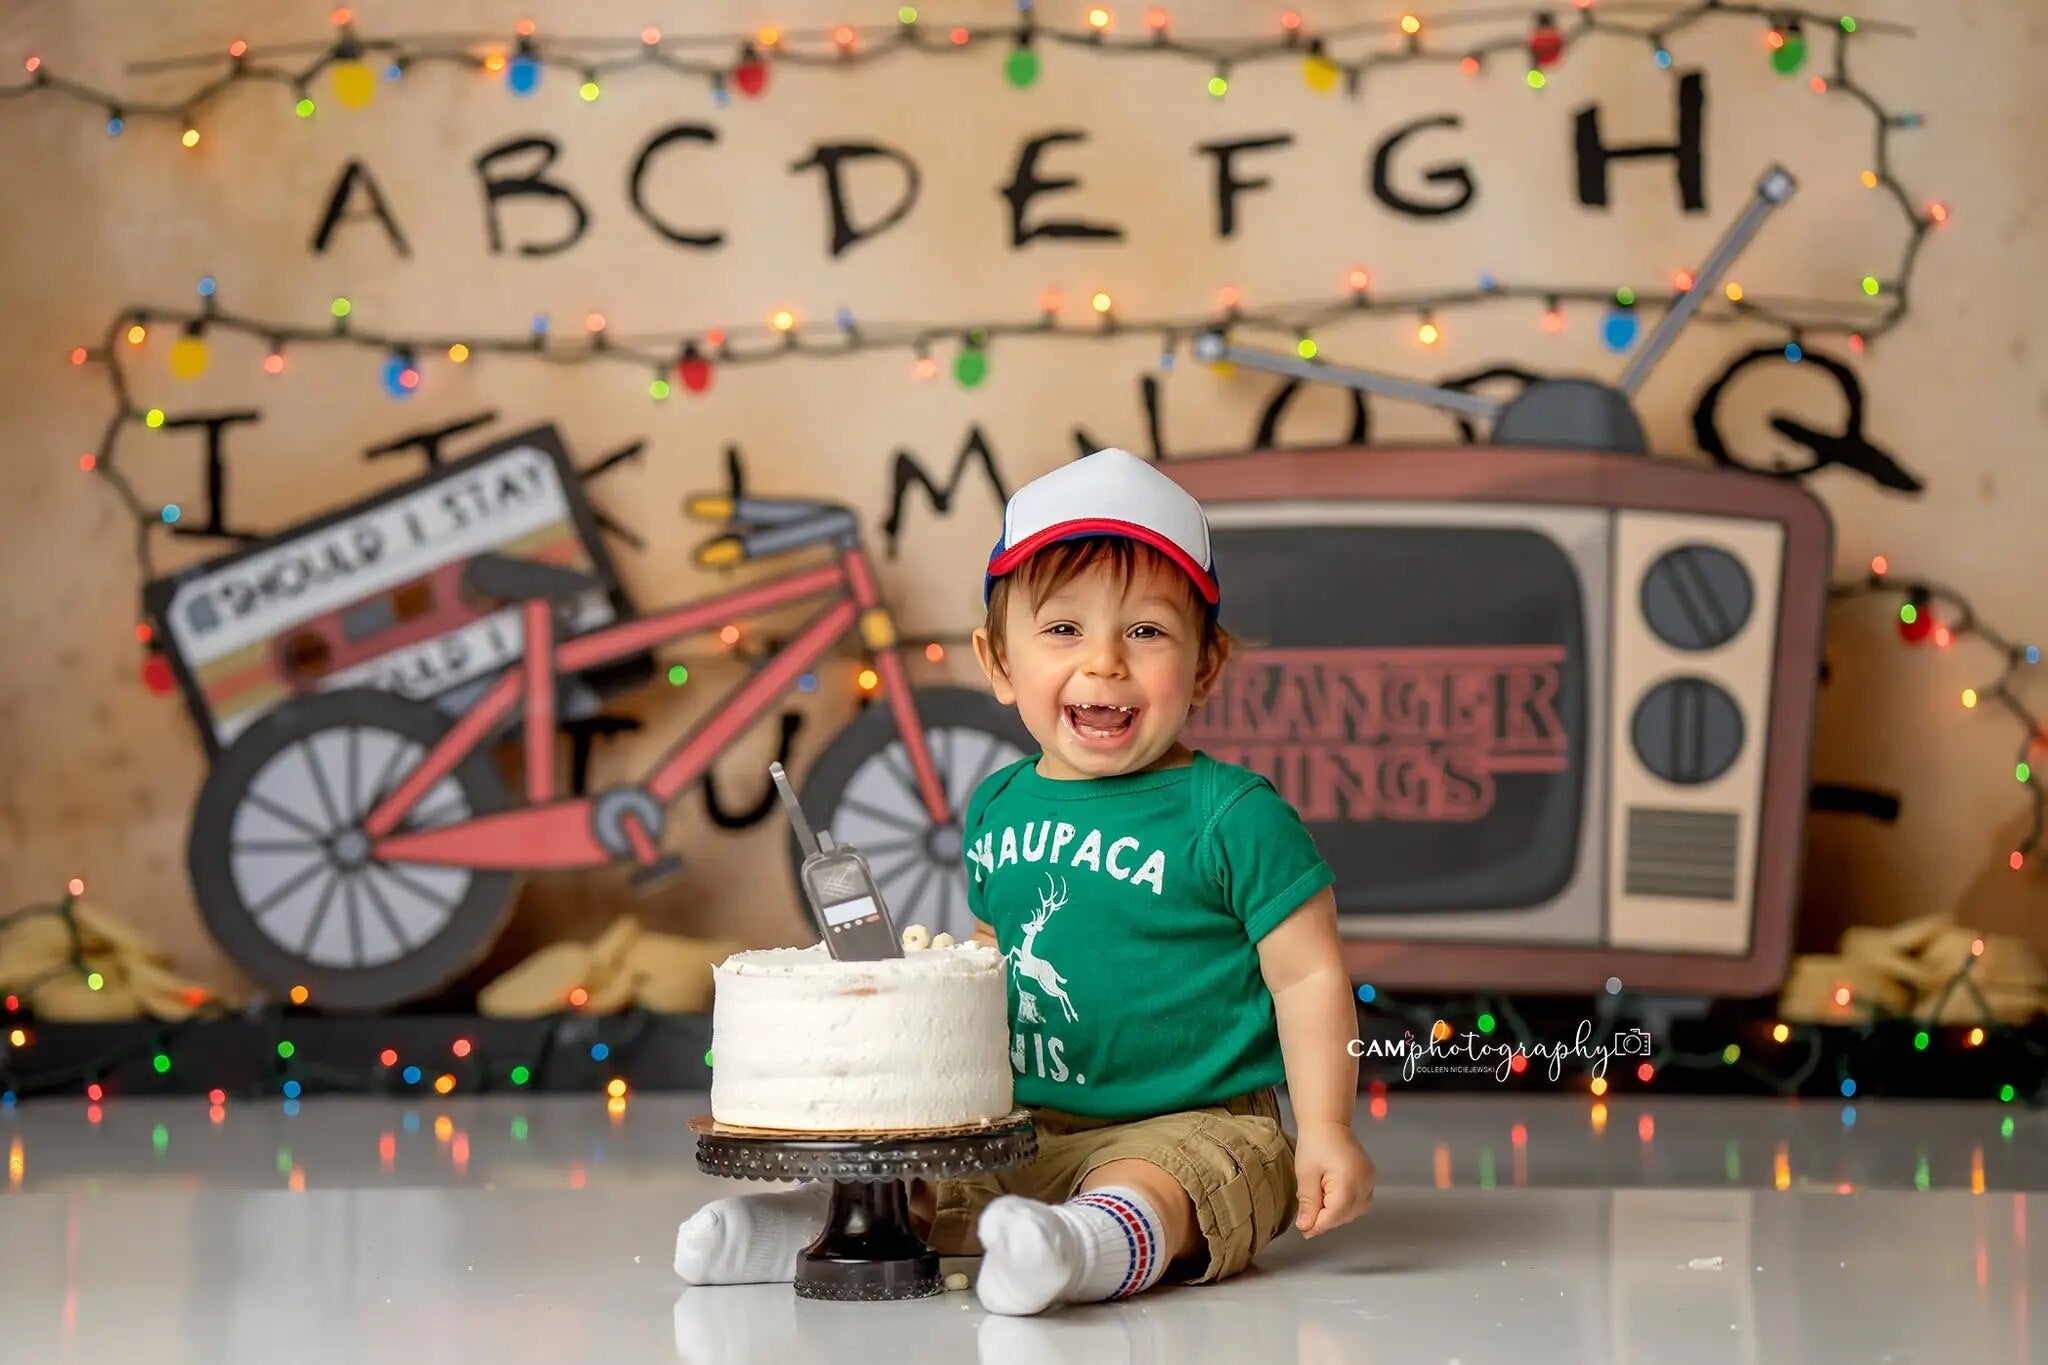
{"points": [[1105, 526]]}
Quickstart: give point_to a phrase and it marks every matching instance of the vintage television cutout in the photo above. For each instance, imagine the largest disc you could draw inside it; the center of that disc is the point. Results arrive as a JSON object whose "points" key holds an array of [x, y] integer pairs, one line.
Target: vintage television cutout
{"points": [[381, 594], [1547, 713]]}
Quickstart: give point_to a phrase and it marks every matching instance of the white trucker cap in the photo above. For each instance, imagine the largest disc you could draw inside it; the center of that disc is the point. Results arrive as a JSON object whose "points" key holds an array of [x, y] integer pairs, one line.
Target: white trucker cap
{"points": [[1109, 493]]}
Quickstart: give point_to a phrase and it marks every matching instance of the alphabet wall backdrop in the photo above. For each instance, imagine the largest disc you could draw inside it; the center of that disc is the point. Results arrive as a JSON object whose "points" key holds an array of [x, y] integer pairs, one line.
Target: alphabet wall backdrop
{"points": [[303, 300]]}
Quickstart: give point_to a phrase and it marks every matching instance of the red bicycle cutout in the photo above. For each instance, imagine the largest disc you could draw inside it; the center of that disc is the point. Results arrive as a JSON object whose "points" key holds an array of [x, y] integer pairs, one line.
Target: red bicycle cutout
{"points": [[366, 845]]}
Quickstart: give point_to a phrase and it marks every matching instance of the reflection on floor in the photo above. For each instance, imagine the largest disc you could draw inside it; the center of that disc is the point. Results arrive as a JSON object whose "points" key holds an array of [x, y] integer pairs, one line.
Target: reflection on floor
{"points": [[1510, 1228]]}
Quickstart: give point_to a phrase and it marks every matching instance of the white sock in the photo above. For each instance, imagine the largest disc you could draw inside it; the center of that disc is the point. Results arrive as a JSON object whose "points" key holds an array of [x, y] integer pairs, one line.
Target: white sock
{"points": [[1105, 1244], [751, 1238]]}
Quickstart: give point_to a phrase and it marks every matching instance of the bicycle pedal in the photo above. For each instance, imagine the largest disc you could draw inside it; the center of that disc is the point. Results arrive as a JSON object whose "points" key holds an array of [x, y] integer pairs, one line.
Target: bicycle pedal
{"points": [[661, 870]]}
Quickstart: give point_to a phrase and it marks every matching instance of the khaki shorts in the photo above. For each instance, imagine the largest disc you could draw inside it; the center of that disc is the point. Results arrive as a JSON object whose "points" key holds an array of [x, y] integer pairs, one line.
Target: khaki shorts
{"points": [[1234, 1159]]}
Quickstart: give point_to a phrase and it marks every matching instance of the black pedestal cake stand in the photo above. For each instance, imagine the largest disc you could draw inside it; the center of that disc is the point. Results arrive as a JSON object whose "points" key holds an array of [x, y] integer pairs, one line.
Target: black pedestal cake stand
{"points": [[867, 1250]]}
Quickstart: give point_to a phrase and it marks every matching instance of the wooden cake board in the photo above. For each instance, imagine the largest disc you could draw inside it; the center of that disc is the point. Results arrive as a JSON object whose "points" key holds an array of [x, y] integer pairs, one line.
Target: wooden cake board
{"points": [[705, 1123]]}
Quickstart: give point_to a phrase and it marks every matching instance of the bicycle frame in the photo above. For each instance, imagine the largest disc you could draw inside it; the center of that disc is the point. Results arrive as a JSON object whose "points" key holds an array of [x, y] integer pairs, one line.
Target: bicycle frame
{"points": [[549, 832]]}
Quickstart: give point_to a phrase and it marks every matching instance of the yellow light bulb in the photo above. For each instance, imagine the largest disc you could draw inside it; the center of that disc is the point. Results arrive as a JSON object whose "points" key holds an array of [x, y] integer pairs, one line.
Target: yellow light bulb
{"points": [[1101, 302], [188, 357], [1428, 334], [355, 85], [458, 353], [1734, 292], [137, 334], [783, 321], [1319, 73], [191, 138]]}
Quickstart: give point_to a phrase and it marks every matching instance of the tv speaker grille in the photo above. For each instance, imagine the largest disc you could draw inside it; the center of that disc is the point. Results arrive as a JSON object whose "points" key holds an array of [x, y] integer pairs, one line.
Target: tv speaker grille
{"points": [[1689, 854]]}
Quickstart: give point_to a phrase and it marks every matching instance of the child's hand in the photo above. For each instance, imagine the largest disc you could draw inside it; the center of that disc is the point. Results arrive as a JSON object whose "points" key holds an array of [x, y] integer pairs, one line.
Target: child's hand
{"points": [[1334, 1176]]}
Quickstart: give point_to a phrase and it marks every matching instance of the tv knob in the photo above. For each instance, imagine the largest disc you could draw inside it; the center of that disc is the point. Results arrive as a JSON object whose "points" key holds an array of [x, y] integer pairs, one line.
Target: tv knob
{"points": [[1687, 730], [1697, 597]]}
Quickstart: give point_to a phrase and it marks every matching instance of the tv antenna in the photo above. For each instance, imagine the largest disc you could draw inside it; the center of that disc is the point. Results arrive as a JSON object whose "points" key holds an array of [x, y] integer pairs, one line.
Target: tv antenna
{"points": [[1574, 413]]}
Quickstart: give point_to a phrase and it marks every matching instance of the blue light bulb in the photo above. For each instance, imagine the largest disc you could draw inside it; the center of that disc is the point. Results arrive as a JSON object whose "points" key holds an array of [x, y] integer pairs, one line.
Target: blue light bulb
{"points": [[600, 1051], [114, 126], [1663, 59], [398, 370], [1619, 330], [412, 1077], [2033, 654], [522, 75], [206, 287], [1793, 352]]}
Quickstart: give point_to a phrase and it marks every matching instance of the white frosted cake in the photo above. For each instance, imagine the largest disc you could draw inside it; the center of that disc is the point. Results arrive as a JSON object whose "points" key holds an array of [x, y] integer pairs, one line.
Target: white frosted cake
{"points": [[806, 1043]]}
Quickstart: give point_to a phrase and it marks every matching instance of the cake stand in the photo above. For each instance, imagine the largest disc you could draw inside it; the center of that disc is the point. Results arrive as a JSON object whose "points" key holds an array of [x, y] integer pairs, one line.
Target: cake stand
{"points": [[867, 1250]]}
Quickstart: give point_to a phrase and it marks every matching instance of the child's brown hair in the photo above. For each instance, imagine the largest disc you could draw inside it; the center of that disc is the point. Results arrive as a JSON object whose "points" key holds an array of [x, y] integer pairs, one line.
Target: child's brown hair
{"points": [[1063, 561]]}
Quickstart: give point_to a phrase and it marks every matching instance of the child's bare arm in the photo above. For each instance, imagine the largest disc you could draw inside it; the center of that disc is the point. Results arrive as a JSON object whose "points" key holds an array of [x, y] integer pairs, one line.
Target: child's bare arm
{"points": [[1304, 969], [1303, 965], [983, 934]]}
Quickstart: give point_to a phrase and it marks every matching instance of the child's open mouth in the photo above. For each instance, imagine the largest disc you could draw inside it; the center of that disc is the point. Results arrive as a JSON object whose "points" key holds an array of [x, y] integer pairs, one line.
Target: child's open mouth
{"points": [[1105, 725]]}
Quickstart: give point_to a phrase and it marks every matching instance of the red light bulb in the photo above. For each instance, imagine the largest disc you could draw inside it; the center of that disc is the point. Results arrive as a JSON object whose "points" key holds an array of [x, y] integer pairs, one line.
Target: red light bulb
{"points": [[693, 369], [751, 75], [157, 676]]}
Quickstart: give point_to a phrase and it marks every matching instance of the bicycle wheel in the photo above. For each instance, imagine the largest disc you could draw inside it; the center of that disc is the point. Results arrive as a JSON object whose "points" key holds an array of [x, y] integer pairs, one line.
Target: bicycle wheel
{"points": [[285, 876], [864, 790]]}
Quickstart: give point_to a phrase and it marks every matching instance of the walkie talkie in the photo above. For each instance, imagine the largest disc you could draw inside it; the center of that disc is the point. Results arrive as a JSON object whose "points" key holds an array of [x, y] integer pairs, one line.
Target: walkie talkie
{"points": [[844, 898]]}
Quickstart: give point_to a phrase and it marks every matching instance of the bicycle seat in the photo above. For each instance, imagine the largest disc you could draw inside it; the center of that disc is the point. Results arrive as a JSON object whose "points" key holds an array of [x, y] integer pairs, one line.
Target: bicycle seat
{"points": [[506, 579]]}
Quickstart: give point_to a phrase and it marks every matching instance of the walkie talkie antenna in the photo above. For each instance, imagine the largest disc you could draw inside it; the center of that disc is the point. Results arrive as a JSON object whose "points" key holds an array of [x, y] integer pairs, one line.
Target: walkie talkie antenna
{"points": [[804, 837], [1773, 190]]}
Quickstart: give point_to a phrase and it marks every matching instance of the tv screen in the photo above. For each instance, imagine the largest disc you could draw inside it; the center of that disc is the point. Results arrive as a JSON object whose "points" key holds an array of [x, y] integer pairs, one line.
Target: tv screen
{"points": [[1418, 693]]}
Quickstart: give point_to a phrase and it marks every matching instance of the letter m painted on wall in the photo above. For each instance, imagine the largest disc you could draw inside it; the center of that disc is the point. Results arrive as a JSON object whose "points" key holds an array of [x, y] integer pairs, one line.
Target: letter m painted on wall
{"points": [[909, 472]]}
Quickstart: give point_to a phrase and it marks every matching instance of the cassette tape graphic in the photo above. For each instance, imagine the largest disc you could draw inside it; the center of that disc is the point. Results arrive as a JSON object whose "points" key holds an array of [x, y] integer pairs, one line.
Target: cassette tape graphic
{"points": [[374, 594]]}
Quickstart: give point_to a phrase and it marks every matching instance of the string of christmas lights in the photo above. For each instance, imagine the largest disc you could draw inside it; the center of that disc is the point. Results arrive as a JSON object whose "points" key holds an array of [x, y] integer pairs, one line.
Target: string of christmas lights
{"points": [[1932, 614], [1778, 1057], [355, 64], [1774, 1055], [151, 1049]]}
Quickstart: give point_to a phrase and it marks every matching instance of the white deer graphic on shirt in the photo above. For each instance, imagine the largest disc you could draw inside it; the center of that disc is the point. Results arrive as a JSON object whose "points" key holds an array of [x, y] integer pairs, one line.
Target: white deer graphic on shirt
{"points": [[1025, 962]]}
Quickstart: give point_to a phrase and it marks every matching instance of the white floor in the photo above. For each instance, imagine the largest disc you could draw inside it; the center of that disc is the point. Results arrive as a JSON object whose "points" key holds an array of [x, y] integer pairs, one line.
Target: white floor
{"points": [[1507, 1229]]}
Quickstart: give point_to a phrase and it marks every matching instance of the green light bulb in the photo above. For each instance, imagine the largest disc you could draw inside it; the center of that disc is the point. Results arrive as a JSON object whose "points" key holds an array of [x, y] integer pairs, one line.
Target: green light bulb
{"points": [[971, 368], [1022, 68]]}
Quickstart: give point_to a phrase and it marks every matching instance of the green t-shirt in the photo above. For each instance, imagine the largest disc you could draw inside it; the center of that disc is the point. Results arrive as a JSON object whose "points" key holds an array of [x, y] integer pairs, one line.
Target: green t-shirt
{"points": [[1129, 910]]}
